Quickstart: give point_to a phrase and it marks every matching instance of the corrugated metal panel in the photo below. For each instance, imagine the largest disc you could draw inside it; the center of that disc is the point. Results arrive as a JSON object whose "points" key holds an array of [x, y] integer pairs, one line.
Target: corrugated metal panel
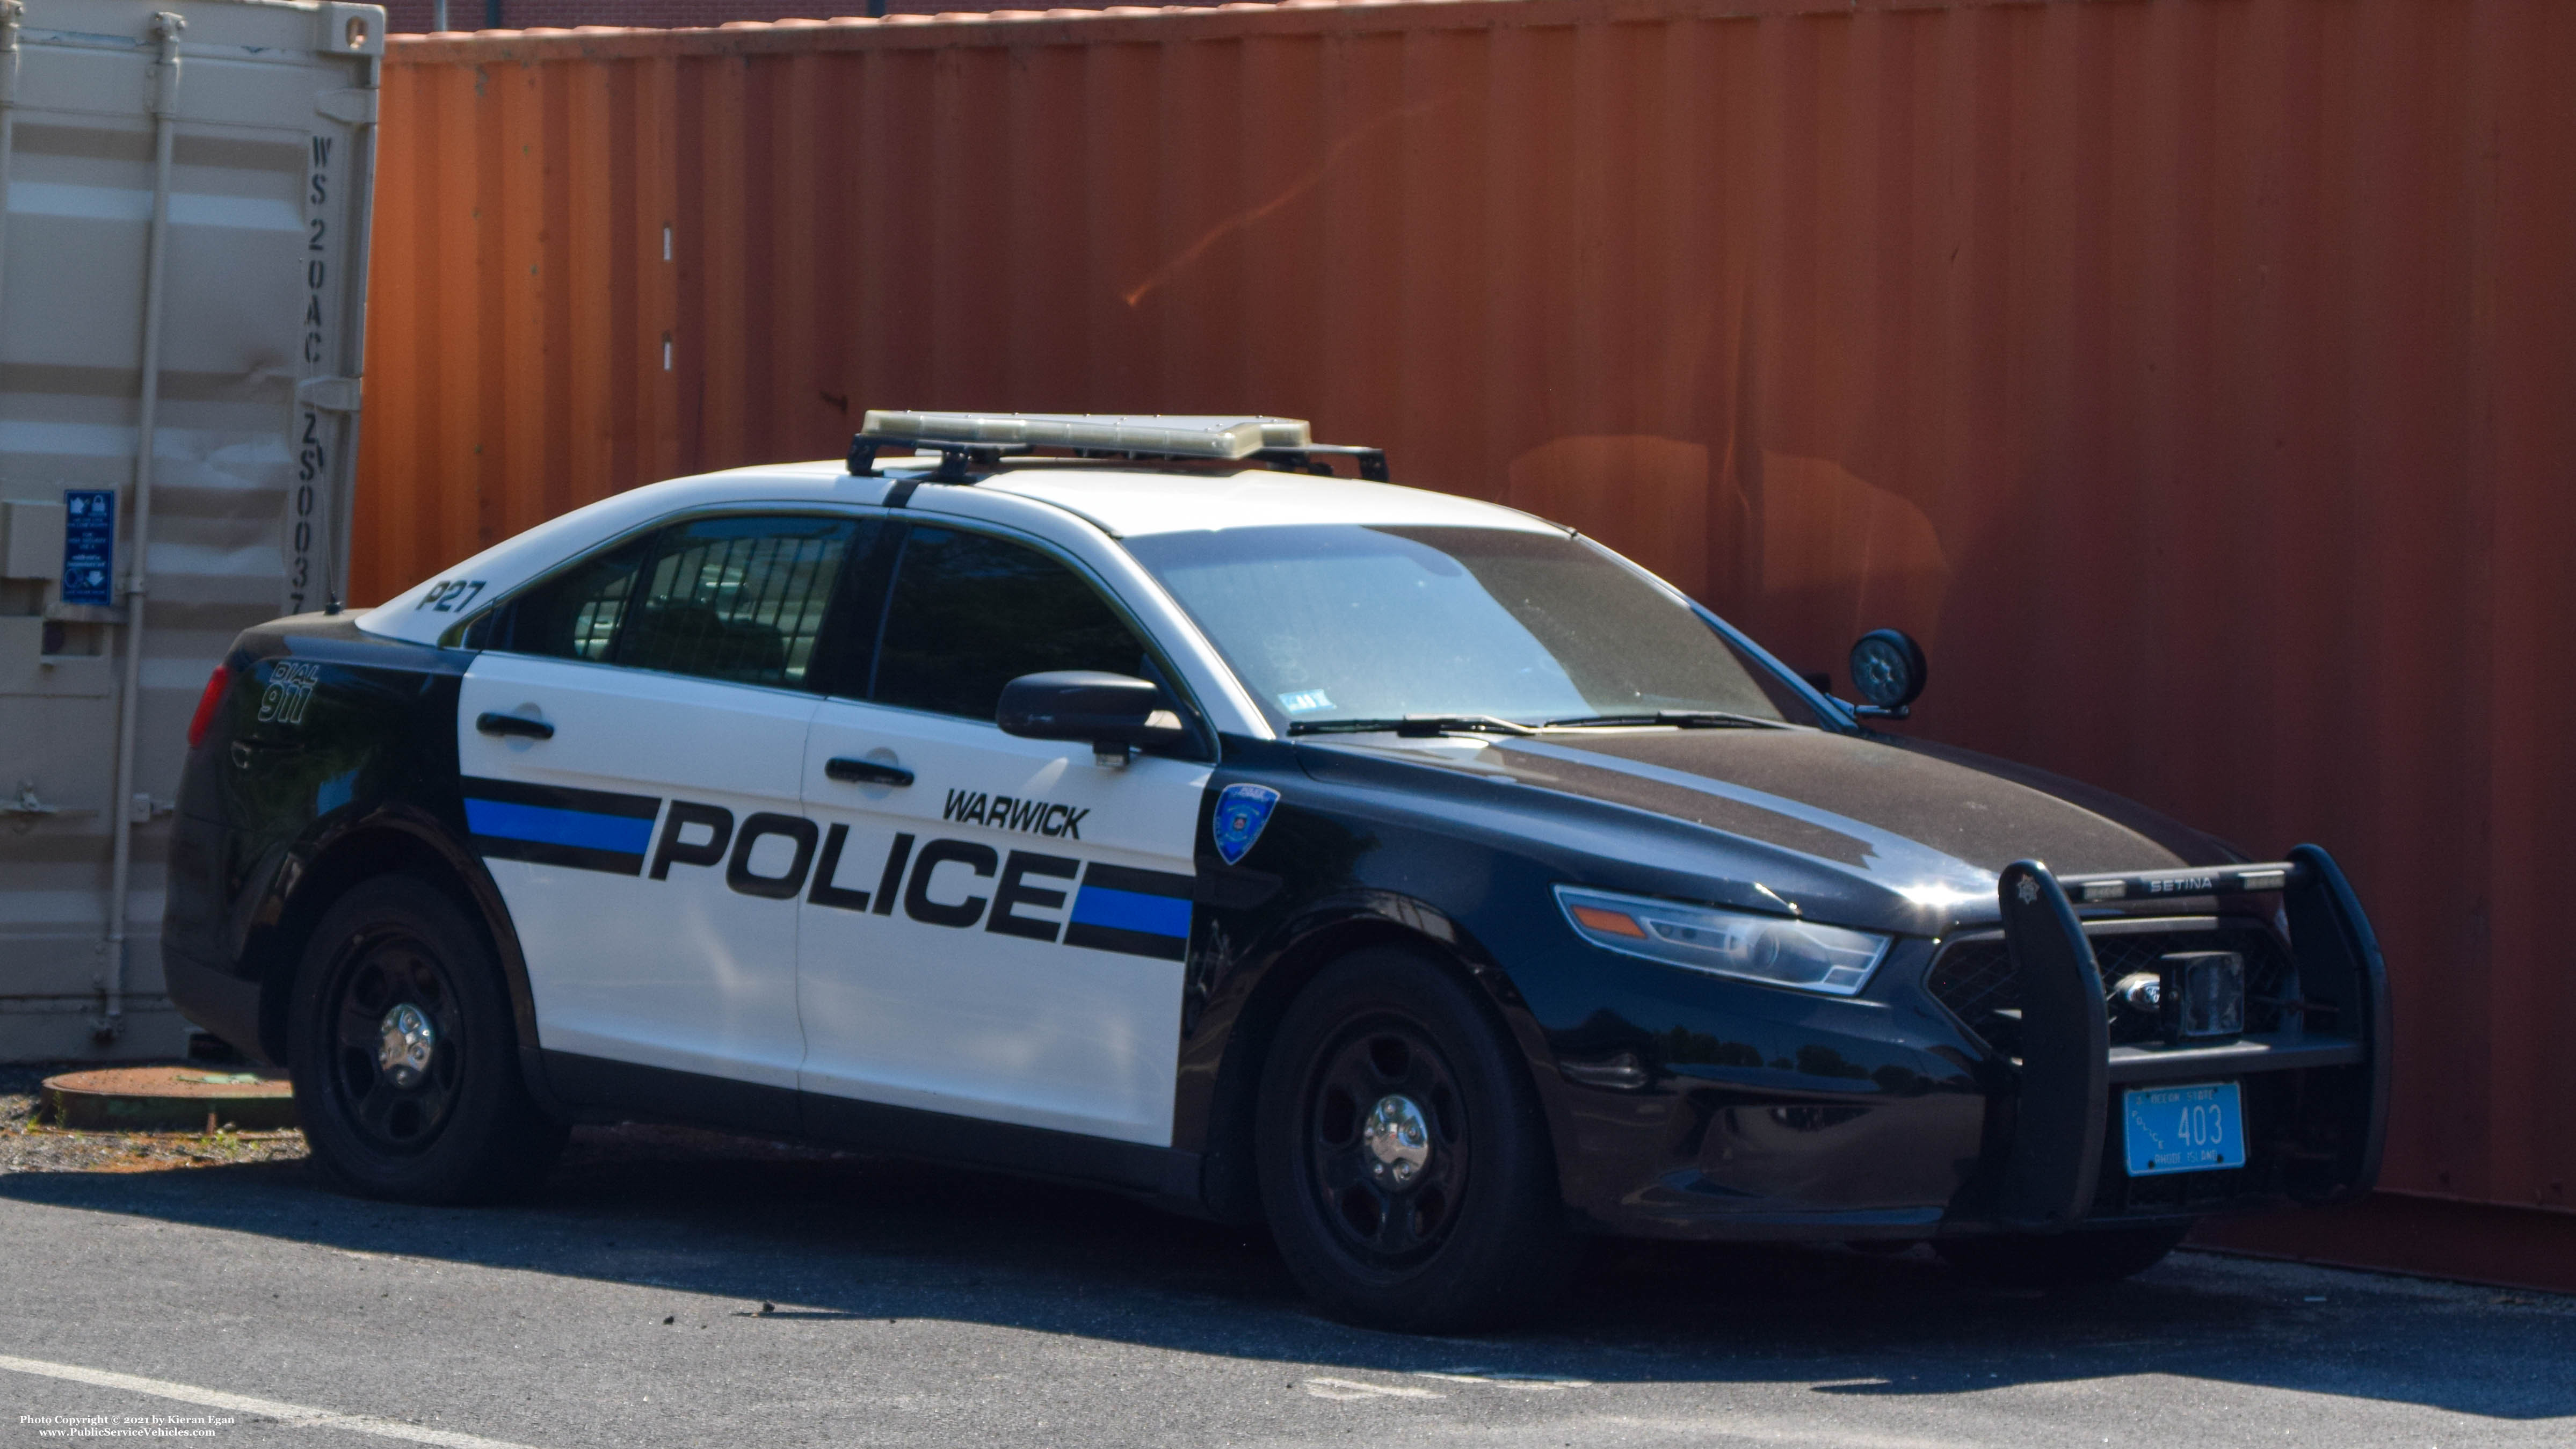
{"points": [[267, 187], [2193, 377]]}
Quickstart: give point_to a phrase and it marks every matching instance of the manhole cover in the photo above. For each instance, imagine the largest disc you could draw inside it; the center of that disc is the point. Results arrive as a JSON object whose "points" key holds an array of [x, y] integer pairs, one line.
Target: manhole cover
{"points": [[168, 1099]]}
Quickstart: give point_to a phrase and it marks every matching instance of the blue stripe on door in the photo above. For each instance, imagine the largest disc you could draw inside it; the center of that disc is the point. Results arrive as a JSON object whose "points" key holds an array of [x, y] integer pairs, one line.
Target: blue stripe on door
{"points": [[1131, 911], [578, 828]]}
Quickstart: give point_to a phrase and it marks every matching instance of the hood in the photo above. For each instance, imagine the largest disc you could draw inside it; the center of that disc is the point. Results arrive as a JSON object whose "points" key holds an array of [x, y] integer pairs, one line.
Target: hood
{"points": [[1923, 822]]}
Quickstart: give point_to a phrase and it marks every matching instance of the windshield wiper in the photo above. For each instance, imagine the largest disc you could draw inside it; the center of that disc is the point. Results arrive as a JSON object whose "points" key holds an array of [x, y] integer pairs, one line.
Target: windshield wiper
{"points": [[1427, 726], [1689, 719], [1413, 726]]}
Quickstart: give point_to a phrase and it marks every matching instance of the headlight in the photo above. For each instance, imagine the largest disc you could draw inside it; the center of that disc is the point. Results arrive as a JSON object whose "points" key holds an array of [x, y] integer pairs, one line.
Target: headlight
{"points": [[1774, 950]]}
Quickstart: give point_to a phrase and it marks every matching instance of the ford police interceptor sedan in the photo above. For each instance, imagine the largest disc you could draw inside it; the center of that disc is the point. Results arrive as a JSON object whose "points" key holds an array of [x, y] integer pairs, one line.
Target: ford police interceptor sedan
{"points": [[1138, 802]]}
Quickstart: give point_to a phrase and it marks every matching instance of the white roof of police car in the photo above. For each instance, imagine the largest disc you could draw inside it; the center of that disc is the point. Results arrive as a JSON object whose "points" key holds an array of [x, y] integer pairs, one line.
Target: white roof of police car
{"points": [[1131, 503], [1125, 501]]}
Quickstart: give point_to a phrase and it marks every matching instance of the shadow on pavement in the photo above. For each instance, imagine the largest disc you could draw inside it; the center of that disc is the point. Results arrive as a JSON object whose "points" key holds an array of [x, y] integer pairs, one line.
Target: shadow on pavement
{"points": [[821, 1235]]}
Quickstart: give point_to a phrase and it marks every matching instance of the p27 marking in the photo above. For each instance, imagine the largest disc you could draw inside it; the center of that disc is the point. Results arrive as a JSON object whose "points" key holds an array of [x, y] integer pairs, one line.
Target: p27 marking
{"points": [[449, 595]]}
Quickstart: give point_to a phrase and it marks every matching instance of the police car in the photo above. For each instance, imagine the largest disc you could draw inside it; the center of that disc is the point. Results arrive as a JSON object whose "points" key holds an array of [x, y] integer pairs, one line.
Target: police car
{"points": [[1141, 802]]}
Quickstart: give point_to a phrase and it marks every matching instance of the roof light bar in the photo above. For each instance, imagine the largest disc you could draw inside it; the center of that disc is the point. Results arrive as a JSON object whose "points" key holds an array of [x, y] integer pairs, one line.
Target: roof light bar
{"points": [[1180, 437], [971, 442]]}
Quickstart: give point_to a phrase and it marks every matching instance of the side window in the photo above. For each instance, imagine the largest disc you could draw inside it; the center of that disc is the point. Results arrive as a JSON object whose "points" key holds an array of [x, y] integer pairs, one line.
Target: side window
{"points": [[738, 599], [573, 615], [969, 613]]}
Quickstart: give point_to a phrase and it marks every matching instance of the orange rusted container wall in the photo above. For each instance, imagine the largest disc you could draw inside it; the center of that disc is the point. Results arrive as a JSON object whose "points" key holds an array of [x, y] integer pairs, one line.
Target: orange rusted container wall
{"points": [[2197, 379]]}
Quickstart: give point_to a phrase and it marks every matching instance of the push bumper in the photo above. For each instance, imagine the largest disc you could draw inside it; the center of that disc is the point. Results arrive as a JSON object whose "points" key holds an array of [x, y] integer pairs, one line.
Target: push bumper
{"points": [[2317, 1091]]}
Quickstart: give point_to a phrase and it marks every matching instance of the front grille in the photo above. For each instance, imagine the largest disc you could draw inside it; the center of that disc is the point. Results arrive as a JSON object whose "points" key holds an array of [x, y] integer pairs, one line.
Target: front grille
{"points": [[1974, 978]]}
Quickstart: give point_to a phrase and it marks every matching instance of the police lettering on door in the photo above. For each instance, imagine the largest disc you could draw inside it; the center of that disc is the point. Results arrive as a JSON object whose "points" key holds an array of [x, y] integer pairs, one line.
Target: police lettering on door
{"points": [[960, 884]]}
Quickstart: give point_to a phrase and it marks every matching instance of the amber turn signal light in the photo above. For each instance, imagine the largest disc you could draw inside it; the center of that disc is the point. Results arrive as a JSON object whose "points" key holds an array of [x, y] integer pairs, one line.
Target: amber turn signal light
{"points": [[1609, 922]]}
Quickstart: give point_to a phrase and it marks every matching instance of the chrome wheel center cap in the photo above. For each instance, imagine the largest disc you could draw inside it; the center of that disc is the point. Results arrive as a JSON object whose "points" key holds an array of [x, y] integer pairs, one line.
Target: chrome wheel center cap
{"points": [[404, 1044], [1398, 1142]]}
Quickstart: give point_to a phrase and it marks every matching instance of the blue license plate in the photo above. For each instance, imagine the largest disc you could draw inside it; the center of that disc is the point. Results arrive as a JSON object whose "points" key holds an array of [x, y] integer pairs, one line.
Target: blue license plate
{"points": [[2184, 1129]]}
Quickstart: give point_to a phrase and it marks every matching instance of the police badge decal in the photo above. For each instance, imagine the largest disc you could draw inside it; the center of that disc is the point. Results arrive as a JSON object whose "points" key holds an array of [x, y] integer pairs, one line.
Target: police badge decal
{"points": [[1241, 811]]}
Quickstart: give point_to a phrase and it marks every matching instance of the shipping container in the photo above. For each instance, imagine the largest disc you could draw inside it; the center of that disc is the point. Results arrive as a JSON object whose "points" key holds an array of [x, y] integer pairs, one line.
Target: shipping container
{"points": [[2192, 376], [183, 210]]}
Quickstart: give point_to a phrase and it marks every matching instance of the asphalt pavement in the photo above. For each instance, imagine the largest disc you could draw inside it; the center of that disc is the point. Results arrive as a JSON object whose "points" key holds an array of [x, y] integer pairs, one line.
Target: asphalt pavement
{"points": [[684, 1289]]}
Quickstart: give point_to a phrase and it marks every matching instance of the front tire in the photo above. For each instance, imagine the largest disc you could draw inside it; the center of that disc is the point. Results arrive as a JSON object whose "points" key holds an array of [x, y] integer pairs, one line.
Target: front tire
{"points": [[405, 1055], [2061, 1260], [1404, 1162]]}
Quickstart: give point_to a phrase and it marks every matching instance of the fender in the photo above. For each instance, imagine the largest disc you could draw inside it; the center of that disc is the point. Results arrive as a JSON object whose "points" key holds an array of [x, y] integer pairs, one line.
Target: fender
{"points": [[308, 862], [1227, 1033]]}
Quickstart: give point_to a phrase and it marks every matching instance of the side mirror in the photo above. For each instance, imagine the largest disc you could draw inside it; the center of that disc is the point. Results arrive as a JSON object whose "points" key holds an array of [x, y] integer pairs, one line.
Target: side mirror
{"points": [[1888, 670], [1117, 713]]}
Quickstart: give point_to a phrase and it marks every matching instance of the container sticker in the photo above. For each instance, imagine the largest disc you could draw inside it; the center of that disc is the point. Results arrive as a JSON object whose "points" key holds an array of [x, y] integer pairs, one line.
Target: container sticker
{"points": [[89, 546]]}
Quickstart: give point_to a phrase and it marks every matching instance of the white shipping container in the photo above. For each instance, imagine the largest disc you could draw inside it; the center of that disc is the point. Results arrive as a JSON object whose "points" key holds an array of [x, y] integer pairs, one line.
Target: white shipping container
{"points": [[184, 193]]}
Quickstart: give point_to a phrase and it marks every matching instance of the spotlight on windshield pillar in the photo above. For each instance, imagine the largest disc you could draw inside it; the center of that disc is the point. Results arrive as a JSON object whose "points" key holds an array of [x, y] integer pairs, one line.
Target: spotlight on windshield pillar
{"points": [[1888, 670]]}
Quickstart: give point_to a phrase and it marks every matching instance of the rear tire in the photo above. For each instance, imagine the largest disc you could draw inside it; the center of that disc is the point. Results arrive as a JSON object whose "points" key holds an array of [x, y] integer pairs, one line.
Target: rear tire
{"points": [[1451, 1221], [405, 1054], [2061, 1260]]}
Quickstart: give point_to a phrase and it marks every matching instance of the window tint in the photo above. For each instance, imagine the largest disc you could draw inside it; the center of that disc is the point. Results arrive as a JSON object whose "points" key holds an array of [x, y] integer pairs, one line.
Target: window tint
{"points": [[738, 599], [573, 615], [969, 613]]}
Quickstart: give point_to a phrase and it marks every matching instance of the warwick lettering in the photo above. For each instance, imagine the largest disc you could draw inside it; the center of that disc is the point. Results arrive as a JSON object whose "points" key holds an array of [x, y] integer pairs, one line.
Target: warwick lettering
{"points": [[1002, 812]]}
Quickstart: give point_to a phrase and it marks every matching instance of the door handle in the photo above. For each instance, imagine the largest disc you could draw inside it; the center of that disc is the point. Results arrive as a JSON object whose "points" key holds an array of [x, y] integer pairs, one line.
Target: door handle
{"points": [[866, 772], [514, 724]]}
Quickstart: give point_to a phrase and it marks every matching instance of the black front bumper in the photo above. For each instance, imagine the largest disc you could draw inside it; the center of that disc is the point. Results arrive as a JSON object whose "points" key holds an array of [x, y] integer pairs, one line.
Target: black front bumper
{"points": [[2315, 1093], [1686, 1114]]}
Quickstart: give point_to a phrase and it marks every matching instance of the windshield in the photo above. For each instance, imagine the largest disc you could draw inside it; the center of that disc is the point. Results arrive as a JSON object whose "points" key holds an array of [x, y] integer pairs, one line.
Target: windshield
{"points": [[1330, 622]]}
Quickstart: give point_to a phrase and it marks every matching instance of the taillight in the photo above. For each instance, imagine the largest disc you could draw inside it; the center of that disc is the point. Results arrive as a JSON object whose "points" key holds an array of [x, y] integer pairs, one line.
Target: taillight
{"points": [[206, 702]]}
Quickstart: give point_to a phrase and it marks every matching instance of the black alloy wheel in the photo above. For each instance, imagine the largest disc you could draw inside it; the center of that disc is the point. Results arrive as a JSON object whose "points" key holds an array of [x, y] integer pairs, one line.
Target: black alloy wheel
{"points": [[402, 1044], [1386, 1142], [405, 1053], [1404, 1161]]}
